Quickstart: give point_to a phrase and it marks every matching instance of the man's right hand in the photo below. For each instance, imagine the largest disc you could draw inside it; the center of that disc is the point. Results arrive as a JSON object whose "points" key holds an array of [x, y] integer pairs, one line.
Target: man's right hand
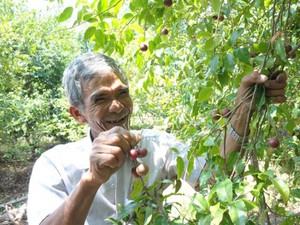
{"points": [[109, 152]]}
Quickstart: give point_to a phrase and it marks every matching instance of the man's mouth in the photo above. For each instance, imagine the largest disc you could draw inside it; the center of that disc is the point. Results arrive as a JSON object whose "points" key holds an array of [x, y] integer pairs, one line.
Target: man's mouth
{"points": [[123, 118]]}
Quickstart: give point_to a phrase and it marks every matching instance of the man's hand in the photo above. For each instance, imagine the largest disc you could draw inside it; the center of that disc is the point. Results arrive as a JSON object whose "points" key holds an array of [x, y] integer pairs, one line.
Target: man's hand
{"points": [[274, 87], [109, 152], [274, 90]]}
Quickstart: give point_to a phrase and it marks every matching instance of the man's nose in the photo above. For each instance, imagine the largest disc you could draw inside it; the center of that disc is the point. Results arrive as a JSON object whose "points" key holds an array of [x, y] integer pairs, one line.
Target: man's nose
{"points": [[116, 106]]}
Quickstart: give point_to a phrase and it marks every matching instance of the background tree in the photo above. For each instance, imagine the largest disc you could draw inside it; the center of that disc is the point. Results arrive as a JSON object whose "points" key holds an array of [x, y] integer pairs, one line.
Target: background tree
{"points": [[34, 51]]}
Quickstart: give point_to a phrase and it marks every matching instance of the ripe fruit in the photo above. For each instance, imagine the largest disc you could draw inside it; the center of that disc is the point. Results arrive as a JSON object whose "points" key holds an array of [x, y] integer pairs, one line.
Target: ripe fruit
{"points": [[164, 31], [288, 48], [142, 170], [143, 47], [292, 55], [221, 18], [273, 143], [226, 113], [168, 3], [142, 152], [133, 172], [215, 115], [133, 154], [215, 17], [253, 54]]}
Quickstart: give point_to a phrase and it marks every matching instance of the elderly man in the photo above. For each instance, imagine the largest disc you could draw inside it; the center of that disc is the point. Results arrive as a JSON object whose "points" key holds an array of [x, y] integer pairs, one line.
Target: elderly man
{"points": [[83, 182]]}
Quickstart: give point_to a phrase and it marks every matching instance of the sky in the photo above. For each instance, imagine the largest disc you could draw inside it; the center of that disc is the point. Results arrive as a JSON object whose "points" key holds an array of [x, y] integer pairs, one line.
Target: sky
{"points": [[45, 4]]}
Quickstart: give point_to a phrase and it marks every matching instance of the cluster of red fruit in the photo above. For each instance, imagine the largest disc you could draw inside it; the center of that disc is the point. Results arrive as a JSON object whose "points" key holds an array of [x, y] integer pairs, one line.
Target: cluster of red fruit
{"points": [[141, 169], [137, 153], [165, 31]]}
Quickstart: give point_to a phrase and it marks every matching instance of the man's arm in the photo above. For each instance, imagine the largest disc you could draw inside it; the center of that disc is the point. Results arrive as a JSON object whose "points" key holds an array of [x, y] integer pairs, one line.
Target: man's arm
{"points": [[274, 89], [107, 156], [75, 208]]}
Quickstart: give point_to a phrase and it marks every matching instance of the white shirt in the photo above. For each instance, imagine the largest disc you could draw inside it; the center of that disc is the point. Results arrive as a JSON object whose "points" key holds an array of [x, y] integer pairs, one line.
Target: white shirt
{"points": [[58, 170]]}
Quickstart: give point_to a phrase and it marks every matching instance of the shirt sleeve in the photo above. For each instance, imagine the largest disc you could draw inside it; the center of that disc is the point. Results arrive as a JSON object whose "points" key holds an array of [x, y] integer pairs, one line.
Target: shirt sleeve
{"points": [[47, 191]]}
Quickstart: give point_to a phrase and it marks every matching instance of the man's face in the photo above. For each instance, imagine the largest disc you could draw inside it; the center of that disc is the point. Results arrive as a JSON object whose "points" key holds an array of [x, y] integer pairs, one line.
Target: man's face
{"points": [[107, 103]]}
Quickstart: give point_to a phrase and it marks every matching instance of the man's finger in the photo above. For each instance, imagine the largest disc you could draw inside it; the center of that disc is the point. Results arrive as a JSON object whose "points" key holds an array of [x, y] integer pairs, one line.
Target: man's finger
{"points": [[282, 77], [130, 137], [253, 78]]}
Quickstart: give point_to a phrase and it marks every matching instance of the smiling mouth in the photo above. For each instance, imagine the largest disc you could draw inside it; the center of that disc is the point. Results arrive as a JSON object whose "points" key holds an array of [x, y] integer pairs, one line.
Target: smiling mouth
{"points": [[116, 121]]}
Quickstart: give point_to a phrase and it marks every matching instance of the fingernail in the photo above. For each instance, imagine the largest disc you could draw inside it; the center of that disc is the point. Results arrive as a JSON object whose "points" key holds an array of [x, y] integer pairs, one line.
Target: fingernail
{"points": [[279, 79], [263, 77]]}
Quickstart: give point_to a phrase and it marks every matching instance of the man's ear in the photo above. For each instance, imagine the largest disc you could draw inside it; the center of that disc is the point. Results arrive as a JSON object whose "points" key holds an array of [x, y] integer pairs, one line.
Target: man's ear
{"points": [[74, 111]]}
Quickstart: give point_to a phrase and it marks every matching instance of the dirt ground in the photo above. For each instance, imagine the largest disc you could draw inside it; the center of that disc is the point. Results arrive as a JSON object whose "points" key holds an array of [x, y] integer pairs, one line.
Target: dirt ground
{"points": [[14, 181]]}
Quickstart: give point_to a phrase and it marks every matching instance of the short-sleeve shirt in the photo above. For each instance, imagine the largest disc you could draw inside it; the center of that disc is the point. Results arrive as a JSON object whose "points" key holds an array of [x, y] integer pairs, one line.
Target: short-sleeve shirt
{"points": [[58, 171]]}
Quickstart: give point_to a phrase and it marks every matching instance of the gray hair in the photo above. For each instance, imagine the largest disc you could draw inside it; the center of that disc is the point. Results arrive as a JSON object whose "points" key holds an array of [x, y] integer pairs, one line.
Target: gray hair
{"points": [[83, 69]]}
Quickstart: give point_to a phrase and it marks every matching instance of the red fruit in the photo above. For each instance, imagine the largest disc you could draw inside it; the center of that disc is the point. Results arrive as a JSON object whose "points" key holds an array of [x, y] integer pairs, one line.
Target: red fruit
{"points": [[133, 172], [221, 18], [142, 170], [164, 31], [143, 47], [142, 152], [253, 54], [288, 48], [215, 115], [168, 3], [133, 154], [226, 113], [292, 55], [273, 143]]}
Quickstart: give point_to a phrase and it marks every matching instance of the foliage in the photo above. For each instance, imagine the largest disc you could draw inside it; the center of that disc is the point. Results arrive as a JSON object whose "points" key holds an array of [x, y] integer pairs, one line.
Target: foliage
{"points": [[195, 68], [34, 52]]}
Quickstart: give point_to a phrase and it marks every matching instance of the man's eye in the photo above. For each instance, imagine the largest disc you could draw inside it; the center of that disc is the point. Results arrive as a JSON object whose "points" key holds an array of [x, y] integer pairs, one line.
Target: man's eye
{"points": [[125, 92], [102, 99]]}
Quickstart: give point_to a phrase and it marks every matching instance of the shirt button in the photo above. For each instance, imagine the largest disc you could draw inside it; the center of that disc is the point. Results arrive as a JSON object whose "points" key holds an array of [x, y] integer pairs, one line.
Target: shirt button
{"points": [[113, 186]]}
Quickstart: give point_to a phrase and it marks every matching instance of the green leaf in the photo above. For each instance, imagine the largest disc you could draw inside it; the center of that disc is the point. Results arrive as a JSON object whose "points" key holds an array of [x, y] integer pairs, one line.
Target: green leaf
{"points": [[282, 188], [216, 4], [214, 64], [224, 190], [89, 33], [249, 204], [210, 141], [102, 5], [66, 14], [180, 166], [279, 46], [217, 213], [116, 4], [238, 212], [228, 61], [148, 215], [242, 54], [100, 37], [261, 47], [200, 204], [232, 160], [236, 34], [259, 96], [296, 193], [205, 94]]}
